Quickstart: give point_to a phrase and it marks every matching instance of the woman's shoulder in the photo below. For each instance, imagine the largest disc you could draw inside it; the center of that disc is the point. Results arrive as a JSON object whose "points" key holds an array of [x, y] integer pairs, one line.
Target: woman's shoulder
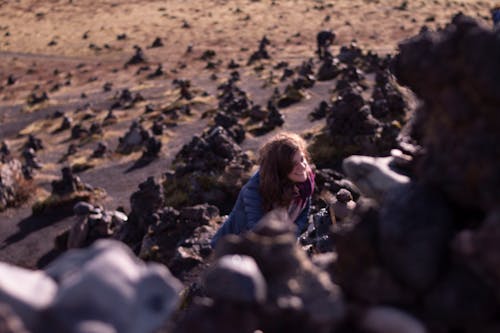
{"points": [[252, 185], [254, 180]]}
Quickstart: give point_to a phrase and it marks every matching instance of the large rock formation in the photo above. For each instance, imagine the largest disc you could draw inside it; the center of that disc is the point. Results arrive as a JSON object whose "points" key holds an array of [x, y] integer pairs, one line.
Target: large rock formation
{"points": [[455, 73], [429, 242]]}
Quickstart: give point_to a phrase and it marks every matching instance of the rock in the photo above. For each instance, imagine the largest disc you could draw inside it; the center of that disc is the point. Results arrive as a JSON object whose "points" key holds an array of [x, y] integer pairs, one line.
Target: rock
{"points": [[82, 208], [343, 205], [95, 129], [137, 58], [30, 159], [348, 54], [324, 39], [78, 131], [65, 124], [68, 184], [414, 230], [183, 86], [232, 100], [373, 176], [329, 69], [33, 143], [358, 268], [318, 233], [110, 118], [261, 53], [292, 281], [388, 103], [35, 98], [383, 319], [157, 42], [199, 214], [9, 321], [290, 96], [100, 150], [93, 223], [441, 304], [4, 149], [78, 233], [27, 293], [144, 204], [180, 242], [133, 140], [320, 111], [478, 249], [236, 278], [11, 181], [150, 152], [92, 282], [435, 66]]}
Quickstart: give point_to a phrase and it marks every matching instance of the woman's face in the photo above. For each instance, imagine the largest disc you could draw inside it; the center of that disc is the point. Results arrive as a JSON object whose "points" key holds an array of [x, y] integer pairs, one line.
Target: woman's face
{"points": [[299, 171]]}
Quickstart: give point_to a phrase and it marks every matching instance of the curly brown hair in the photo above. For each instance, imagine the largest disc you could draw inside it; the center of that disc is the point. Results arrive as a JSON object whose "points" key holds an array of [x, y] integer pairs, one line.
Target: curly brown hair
{"points": [[276, 162]]}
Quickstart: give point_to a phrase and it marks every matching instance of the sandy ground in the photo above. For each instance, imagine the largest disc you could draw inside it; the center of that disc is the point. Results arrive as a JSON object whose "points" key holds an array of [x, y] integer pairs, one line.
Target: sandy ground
{"points": [[48, 43]]}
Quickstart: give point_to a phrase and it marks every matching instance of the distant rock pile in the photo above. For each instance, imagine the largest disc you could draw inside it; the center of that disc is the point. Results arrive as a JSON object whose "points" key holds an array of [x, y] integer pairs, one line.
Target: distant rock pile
{"points": [[92, 223], [355, 125], [135, 139], [209, 169], [66, 192], [13, 186]]}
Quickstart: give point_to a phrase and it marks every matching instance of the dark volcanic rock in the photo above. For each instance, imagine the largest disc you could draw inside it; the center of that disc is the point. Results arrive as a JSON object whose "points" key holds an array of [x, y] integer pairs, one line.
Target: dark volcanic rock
{"points": [[292, 301], [415, 228], [68, 183], [358, 269], [455, 72], [35, 98], [137, 58], [34, 143], [261, 53], [157, 42], [136, 137], [210, 168], [328, 70]]}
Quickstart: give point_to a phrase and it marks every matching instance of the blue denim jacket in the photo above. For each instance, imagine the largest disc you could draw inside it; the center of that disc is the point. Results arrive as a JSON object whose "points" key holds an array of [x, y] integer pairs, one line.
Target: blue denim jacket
{"points": [[247, 211]]}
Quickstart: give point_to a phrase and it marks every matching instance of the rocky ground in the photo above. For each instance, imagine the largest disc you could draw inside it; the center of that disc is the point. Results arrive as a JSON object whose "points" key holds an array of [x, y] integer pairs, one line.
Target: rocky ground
{"points": [[153, 111]]}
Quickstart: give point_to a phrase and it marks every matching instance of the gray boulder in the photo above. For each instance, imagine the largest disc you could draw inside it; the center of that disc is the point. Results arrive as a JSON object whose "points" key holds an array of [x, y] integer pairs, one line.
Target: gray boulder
{"points": [[101, 289], [373, 175], [27, 292], [236, 278]]}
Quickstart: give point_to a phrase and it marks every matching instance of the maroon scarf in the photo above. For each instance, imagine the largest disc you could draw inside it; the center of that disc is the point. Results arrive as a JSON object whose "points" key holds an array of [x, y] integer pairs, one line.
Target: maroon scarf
{"points": [[306, 188]]}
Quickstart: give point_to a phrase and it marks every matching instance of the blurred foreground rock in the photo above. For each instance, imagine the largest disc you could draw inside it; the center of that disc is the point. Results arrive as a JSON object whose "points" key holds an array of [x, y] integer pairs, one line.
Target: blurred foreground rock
{"points": [[104, 288], [263, 280], [425, 241]]}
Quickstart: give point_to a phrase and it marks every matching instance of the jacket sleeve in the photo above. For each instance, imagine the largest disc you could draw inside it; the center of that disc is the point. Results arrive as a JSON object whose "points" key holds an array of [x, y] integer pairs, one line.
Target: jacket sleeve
{"points": [[252, 202]]}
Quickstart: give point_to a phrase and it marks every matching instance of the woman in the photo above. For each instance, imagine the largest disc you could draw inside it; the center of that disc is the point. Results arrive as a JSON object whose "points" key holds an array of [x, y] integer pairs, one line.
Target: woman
{"points": [[284, 180]]}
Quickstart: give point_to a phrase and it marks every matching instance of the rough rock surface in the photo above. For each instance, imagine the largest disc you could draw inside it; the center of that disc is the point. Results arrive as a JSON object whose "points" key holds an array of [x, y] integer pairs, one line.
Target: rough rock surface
{"points": [[103, 288]]}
